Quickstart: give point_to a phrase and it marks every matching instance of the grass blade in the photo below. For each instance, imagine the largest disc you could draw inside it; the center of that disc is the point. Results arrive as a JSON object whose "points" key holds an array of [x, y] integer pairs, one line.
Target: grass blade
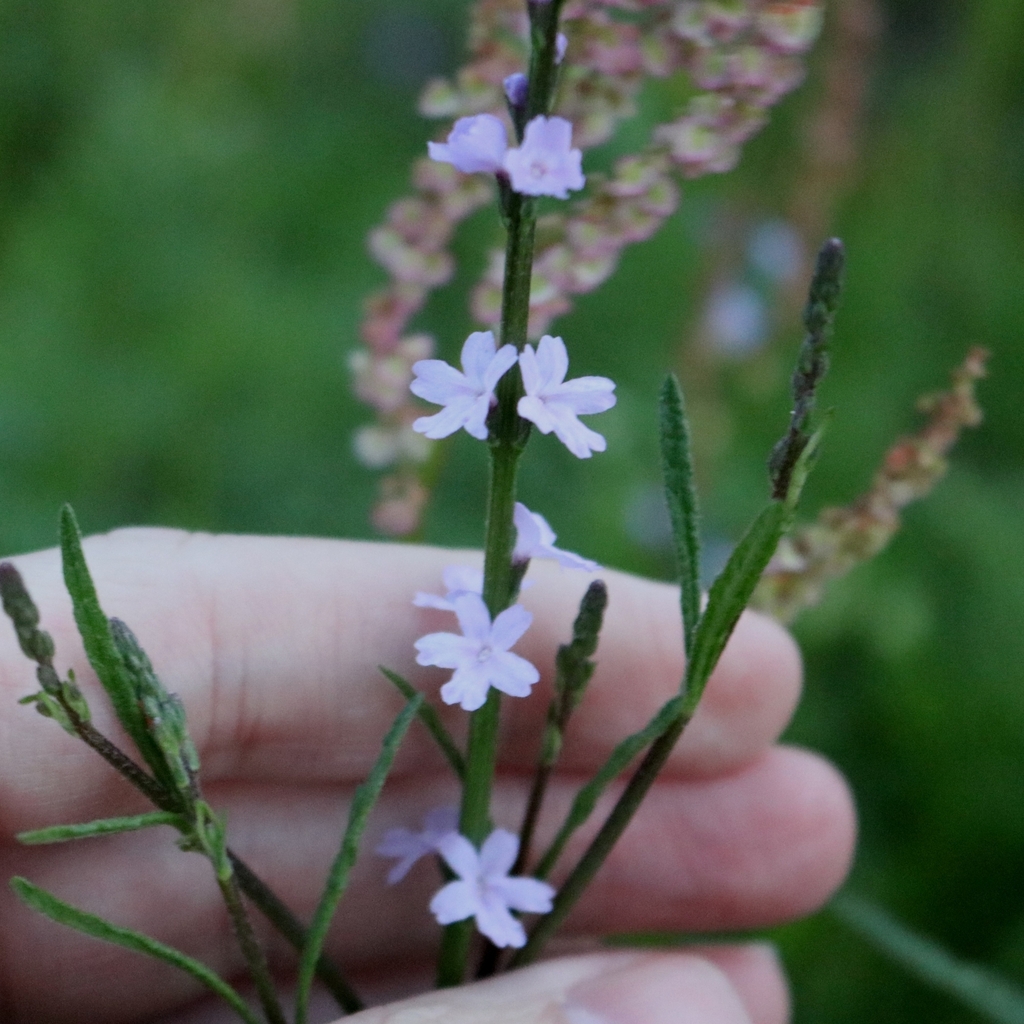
{"points": [[337, 880], [432, 720], [101, 827], [63, 913], [681, 496], [981, 990]]}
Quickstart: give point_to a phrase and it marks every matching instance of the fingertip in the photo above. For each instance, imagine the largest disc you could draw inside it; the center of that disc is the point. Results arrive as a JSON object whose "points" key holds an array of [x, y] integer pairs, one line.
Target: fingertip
{"points": [[757, 974]]}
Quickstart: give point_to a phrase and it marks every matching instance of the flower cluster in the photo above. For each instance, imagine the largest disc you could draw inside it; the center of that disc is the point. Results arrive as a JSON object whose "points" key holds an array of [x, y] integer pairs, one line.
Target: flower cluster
{"points": [[741, 58]]}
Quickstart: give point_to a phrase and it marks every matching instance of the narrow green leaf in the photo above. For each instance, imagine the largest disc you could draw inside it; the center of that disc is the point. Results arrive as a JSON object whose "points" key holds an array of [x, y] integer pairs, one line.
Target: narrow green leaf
{"points": [[729, 595], [89, 924], [432, 720], [589, 794], [363, 801], [102, 827], [681, 496], [99, 641], [980, 989]]}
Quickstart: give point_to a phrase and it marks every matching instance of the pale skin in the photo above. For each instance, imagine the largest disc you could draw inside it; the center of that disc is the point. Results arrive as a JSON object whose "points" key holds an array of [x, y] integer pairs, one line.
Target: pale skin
{"points": [[273, 643]]}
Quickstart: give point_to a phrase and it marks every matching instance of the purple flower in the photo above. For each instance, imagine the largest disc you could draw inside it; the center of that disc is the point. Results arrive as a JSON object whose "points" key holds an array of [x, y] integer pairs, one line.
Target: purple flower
{"points": [[474, 144], [554, 403], [466, 397], [546, 164], [458, 579], [536, 539], [481, 656], [484, 889], [409, 846], [561, 45]]}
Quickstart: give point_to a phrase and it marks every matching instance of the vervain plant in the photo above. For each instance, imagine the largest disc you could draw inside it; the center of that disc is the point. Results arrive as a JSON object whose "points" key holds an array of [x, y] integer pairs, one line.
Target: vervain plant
{"points": [[565, 71]]}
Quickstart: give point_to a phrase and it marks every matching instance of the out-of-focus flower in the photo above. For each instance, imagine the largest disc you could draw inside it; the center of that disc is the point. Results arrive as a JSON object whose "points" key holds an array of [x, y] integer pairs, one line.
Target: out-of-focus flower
{"points": [[536, 539], [481, 656], [484, 889], [410, 846], [546, 164], [475, 145], [553, 403], [458, 579], [467, 397], [516, 88]]}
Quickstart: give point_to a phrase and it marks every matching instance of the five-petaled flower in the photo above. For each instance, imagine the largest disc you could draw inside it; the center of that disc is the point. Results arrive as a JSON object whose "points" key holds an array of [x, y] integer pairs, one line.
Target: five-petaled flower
{"points": [[475, 144], [536, 539], [481, 656], [546, 164], [554, 403], [410, 846], [467, 397], [484, 889]]}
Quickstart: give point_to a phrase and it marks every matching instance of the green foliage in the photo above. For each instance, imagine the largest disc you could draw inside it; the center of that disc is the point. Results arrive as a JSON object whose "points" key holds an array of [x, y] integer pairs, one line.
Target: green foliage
{"points": [[681, 496], [101, 827], [63, 913], [431, 719]]}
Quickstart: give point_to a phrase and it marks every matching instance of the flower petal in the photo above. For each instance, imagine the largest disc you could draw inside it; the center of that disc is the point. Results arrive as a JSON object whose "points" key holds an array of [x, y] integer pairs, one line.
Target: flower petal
{"points": [[504, 359], [530, 370], [585, 395], [451, 418], [553, 361], [509, 626], [463, 577], [580, 440], [498, 854], [425, 600], [435, 381], [477, 354], [534, 410], [445, 650], [494, 921], [474, 619], [440, 821], [467, 687], [455, 902], [511, 674], [461, 856], [529, 895]]}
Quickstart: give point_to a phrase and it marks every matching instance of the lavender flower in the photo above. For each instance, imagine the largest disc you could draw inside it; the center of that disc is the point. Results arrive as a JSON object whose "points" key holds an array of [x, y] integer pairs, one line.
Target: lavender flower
{"points": [[484, 889], [516, 87], [475, 144], [553, 403], [458, 579], [410, 846], [546, 164], [536, 539], [481, 656], [467, 397]]}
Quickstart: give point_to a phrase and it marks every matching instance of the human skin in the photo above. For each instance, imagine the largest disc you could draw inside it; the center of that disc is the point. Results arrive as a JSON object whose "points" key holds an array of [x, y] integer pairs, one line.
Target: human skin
{"points": [[273, 644]]}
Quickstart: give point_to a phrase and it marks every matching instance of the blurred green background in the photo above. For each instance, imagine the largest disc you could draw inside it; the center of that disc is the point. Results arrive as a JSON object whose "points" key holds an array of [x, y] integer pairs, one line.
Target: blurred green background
{"points": [[184, 194]]}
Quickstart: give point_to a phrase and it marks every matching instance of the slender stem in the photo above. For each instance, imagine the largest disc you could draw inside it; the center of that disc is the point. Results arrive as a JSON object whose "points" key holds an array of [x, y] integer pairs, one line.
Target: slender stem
{"points": [[251, 949], [602, 844], [533, 806], [278, 914]]}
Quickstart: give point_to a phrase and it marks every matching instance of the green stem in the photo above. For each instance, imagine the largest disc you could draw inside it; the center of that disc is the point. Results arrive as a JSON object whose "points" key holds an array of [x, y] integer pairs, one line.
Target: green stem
{"points": [[255, 958], [278, 914], [603, 842]]}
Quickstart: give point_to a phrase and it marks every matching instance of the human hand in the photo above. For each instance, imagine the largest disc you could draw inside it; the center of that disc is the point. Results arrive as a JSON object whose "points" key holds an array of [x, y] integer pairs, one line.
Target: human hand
{"points": [[273, 644]]}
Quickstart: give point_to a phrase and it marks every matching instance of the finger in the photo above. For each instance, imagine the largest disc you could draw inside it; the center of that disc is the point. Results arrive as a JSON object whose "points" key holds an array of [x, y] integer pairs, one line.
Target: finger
{"points": [[767, 843], [273, 645], [757, 975], [602, 989]]}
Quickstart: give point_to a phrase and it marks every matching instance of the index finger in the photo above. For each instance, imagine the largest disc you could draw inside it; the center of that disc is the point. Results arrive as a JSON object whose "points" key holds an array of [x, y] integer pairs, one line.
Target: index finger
{"points": [[273, 645]]}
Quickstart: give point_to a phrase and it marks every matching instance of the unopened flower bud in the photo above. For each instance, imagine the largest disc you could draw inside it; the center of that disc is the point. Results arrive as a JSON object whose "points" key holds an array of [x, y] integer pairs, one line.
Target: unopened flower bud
{"points": [[516, 88]]}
